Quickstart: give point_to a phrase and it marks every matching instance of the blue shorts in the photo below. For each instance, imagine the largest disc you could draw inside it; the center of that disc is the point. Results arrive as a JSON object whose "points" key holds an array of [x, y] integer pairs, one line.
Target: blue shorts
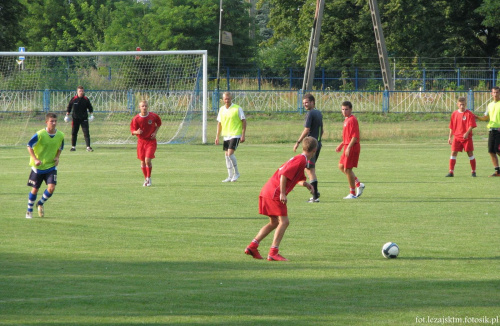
{"points": [[35, 180]]}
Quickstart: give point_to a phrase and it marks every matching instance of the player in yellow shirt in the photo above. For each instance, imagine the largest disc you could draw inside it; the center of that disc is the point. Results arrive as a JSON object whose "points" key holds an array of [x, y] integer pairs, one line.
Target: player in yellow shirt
{"points": [[45, 148], [492, 115], [231, 125]]}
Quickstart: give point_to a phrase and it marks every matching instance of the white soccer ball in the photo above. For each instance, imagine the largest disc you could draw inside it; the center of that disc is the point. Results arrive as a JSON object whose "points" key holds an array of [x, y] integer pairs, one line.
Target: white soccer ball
{"points": [[390, 250]]}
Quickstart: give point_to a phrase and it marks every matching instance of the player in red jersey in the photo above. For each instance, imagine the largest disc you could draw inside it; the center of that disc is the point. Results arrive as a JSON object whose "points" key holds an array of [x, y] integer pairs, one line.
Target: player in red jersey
{"points": [[145, 126], [272, 199], [352, 148], [461, 124]]}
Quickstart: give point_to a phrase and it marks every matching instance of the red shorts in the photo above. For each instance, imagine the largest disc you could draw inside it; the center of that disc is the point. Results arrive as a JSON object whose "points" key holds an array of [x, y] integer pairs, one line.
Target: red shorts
{"points": [[146, 148], [351, 161], [270, 207], [459, 145]]}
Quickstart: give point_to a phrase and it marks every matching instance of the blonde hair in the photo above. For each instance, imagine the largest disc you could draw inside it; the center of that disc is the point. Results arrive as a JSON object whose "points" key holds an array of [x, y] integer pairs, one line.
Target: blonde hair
{"points": [[143, 101]]}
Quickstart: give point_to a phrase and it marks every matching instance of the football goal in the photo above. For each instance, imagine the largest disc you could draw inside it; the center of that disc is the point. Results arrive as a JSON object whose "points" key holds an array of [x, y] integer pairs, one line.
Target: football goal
{"points": [[173, 82]]}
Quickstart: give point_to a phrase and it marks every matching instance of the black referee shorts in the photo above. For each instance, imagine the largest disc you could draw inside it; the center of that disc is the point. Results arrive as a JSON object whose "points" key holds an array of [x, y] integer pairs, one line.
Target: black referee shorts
{"points": [[494, 141]]}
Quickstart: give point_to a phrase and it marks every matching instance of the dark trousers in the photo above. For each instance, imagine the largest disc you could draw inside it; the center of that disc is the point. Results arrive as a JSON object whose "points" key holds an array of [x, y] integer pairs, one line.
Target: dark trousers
{"points": [[76, 127]]}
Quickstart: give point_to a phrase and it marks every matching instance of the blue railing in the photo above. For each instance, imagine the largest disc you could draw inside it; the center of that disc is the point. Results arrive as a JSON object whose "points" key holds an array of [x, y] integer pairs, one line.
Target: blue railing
{"points": [[275, 101], [360, 79]]}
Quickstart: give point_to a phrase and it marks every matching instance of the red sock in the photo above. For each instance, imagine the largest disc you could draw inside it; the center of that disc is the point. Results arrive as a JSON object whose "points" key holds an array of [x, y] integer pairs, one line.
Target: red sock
{"points": [[356, 182], [254, 244], [144, 171], [473, 165], [352, 191], [273, 251], [148, 171], [452, 164]]}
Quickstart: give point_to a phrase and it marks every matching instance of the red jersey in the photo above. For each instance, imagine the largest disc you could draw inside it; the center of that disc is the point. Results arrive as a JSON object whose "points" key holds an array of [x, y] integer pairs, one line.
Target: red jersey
{"points": [[460, 122], [351, 129], [293, 170], [148, 124]]}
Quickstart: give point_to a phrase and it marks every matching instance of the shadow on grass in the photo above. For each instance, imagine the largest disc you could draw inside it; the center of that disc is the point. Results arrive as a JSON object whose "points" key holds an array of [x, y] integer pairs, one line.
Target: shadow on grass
{"points": [[220, 292], [450, 258]]}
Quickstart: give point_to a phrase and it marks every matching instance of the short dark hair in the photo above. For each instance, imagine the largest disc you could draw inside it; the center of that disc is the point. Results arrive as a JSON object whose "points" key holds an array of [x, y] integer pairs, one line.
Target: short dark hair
{"points": [[347, 103], [50, 115], [80, 87], [496, 88], [309, 97]]}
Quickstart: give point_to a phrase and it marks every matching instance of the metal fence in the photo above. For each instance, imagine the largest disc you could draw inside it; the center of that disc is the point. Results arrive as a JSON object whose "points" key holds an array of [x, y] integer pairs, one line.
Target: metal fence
{"points": [[363, 101], [361, 79], [12, 101]]}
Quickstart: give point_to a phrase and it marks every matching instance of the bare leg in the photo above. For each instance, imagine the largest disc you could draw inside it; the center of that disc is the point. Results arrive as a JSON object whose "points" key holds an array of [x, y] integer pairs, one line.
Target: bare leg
{"points": [[268, 228], [280, 230]]}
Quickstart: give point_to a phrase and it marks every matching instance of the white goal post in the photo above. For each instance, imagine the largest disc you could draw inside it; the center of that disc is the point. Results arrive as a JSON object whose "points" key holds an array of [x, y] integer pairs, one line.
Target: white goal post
{"points": [[173, 82]]}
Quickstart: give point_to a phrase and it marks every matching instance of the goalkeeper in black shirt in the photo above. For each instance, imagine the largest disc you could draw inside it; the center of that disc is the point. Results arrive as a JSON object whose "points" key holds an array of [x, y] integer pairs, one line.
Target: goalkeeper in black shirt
{"points": [[81, 107]]}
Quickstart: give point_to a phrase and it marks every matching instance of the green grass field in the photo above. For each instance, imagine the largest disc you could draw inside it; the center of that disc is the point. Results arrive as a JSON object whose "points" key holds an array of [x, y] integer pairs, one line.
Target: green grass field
{"points": [[111, 252]]}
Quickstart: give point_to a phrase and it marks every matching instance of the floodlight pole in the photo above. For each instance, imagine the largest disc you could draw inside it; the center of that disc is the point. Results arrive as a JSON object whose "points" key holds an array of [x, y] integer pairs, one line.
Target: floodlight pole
{"points": [[381, 47], [220, 42], [313, 47]]}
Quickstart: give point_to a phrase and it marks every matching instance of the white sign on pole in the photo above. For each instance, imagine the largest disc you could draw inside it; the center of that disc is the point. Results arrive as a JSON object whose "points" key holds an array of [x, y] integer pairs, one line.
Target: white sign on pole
{"points": [[21, 49], [227, 38]]}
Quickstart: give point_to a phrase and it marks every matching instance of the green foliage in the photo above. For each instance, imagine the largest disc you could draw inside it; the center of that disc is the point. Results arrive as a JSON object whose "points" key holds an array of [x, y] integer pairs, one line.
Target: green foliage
{"points": [[444, 28], [52, 25], [278, 57], [11, 12], [412, 29]]}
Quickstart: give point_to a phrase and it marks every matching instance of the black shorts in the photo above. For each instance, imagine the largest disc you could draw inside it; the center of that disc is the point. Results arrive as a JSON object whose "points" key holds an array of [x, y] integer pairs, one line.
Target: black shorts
{"points": [[35, 180], [312, 162], [231, 144], [494, 141]]}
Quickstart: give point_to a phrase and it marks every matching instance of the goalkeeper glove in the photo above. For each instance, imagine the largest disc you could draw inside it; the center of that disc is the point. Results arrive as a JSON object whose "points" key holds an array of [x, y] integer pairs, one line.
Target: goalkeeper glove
{"points": [[67, 118], [91, 118]]}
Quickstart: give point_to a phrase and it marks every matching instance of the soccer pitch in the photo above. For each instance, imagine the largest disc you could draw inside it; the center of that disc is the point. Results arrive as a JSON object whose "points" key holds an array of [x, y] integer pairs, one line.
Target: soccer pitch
{"points": [[111, 252]]}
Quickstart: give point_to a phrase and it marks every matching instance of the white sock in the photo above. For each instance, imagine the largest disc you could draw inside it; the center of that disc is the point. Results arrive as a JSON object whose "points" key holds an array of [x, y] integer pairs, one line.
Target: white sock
{"points": [[235, 163], [229, 165]]}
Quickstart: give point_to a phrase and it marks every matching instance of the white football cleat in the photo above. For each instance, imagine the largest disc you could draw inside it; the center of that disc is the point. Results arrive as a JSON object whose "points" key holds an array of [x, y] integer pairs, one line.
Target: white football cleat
{"points": [[228, 179], [235, 177], [41, 211], [359, 190], [350, 196], [145, 184], [148, 182], [29, 214]]}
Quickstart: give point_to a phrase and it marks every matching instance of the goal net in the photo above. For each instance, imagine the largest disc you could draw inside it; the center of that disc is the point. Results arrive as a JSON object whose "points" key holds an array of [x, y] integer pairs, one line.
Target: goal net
{"points": [[173, 82]]}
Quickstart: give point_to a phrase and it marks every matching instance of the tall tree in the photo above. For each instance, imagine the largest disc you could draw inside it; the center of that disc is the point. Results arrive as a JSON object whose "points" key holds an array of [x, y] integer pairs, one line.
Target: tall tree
{"points": [[490, 34], [419, 28], [54, 25], [11, 12], [183, 25], [128, 27]]}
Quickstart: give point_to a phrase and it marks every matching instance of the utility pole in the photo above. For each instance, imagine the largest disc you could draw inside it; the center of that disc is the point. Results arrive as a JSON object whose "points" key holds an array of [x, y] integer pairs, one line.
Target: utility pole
{"points": [[381, 48], [313, 47], [220, 44]]}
